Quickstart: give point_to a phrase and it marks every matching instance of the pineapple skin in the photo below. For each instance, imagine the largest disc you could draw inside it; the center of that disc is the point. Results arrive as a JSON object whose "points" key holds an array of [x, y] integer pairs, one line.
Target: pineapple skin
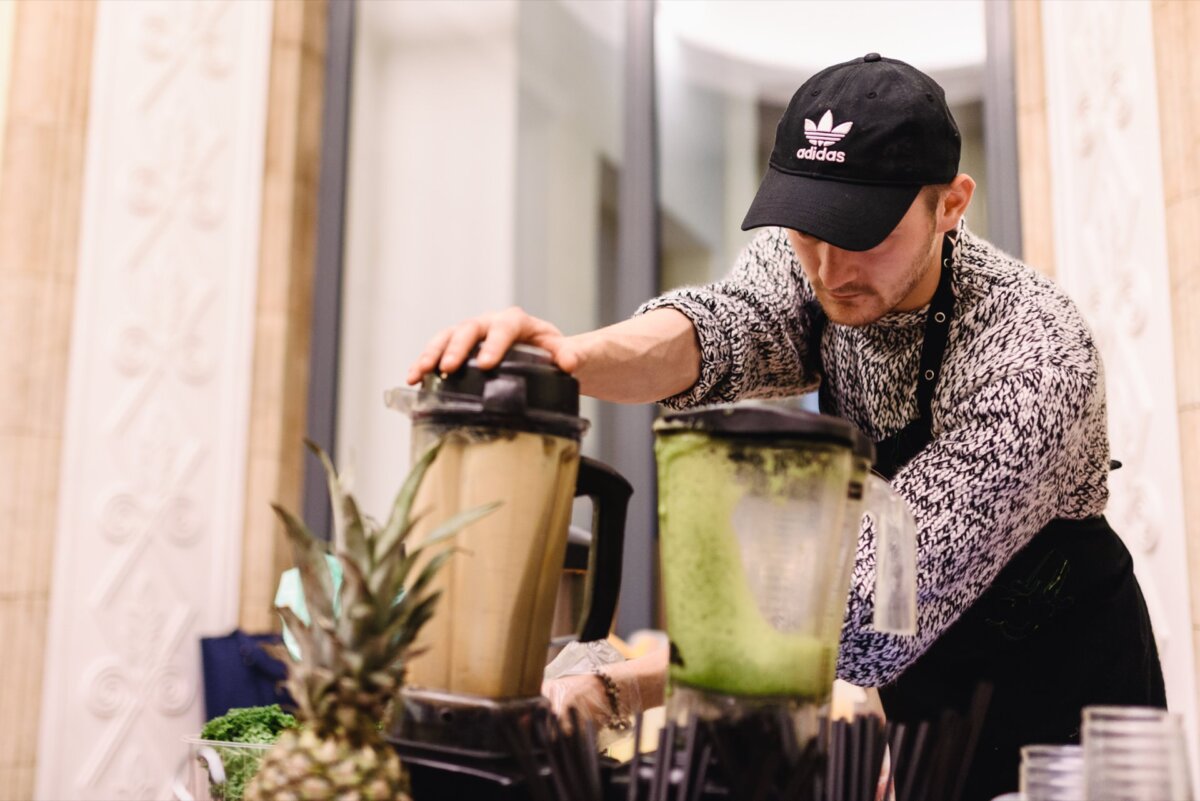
{"points": [[305, 767]]}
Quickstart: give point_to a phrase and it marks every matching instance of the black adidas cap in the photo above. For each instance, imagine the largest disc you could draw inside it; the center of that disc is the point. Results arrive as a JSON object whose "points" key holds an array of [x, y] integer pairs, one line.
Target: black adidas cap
{"points": [[853, 149]]}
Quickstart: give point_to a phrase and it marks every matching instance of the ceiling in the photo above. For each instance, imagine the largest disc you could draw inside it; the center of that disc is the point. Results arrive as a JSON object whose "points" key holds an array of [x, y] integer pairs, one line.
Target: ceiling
{"points": [[761, 48], [767, 47]]}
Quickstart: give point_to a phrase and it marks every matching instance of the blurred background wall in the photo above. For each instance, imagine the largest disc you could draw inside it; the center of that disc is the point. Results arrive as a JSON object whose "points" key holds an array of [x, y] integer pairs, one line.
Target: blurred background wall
{"points": [[485, 149]]}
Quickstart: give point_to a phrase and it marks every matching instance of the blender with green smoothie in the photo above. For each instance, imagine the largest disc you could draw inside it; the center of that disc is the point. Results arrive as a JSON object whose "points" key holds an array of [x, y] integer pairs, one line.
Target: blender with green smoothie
{"points": [[760, 507]]}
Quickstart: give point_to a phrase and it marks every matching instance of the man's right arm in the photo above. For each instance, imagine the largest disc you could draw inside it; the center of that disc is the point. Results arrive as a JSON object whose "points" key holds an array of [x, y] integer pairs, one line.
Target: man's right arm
{"points": [[744, 336], [640, 360]]}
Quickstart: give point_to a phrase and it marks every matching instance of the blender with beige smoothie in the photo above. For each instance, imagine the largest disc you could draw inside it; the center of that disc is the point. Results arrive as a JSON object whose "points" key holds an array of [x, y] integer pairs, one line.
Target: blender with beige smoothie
{"points": [[509, 435]]}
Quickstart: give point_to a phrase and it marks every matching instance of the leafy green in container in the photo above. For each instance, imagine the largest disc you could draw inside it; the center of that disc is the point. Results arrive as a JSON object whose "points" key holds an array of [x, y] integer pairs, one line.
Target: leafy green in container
{"points": [[258, 726]]}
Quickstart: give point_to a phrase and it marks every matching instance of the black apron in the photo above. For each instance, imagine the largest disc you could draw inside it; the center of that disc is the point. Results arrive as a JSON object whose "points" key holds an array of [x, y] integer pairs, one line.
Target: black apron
{"points": [[1062, 626]]}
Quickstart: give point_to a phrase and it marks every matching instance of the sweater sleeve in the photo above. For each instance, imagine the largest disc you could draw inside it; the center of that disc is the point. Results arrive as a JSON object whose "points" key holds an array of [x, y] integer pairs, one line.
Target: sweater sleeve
{"points": [[979, 492], [752, 327]]}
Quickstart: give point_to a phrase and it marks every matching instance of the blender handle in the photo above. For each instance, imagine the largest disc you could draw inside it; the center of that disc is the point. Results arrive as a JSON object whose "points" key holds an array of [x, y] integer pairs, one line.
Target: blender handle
{"points": [[610, 493]]}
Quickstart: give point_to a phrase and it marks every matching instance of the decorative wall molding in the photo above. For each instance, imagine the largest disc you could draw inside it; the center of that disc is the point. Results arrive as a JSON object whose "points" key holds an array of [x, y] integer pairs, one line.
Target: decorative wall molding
{"points": [[1111, 256], [148, 542]]}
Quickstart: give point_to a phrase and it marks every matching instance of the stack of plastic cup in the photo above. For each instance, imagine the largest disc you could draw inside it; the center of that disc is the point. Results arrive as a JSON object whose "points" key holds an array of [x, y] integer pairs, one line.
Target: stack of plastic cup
{"points": [[1052, 773], [1135, 754]]}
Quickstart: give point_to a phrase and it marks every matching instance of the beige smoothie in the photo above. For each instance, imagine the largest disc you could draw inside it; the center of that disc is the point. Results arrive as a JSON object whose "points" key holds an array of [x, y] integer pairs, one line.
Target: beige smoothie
{"points": [[491, 630]]}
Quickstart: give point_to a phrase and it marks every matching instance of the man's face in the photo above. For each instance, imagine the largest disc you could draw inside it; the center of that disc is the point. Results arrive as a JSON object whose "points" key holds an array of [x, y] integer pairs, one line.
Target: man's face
{"points": [[859, 287]]}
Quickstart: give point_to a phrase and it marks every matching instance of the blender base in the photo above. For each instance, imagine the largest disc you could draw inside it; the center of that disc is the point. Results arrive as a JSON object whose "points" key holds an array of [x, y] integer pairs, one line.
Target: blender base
{"points": [[481, 728], [458, 747], [790, 716]]}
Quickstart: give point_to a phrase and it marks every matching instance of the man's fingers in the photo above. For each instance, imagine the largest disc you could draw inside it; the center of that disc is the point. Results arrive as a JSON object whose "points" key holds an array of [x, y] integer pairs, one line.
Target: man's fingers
{"points": [[504, 329], [564, 355], [461, 341], [429, 356], [496, 332]]}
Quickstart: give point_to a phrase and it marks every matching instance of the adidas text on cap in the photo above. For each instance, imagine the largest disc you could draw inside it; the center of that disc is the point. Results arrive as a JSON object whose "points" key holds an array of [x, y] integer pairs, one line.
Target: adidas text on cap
{"points": [[852, 151]]}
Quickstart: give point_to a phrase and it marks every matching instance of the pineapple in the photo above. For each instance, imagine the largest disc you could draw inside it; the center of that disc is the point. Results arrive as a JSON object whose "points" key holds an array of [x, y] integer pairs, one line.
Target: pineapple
{"points": [[351, 667]]}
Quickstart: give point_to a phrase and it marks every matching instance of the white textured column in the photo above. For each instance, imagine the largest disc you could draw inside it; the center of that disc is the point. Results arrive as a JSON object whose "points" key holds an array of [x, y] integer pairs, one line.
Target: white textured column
{"points": [[149, 532], [1111, 255]]}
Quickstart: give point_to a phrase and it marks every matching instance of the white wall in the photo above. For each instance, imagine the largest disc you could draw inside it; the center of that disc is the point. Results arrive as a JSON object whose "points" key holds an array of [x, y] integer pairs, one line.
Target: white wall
{"points": [[569, 123], [973, 162], [431, 208], [742, 177]]}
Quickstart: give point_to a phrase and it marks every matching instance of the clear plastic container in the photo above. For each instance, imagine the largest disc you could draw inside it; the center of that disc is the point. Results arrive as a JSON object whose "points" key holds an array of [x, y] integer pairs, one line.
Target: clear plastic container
{"points": [[1052, 773], [760, 507], [1135, 754], [218, 771]]}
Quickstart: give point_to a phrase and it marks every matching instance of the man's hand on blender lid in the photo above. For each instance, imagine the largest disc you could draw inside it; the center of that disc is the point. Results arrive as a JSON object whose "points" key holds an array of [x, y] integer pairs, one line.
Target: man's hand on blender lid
{"points": [[447, 351]]}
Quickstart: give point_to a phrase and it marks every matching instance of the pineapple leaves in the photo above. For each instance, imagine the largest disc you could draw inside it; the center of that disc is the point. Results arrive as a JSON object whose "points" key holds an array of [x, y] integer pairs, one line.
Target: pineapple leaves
{"points": [[348, 525], [399, 563], [458, 523], [354, 597], [336, 490], [409, 619], [305, 641], [428, 572], [356, 537], [309, 556], [397, 550], [398, 522]]}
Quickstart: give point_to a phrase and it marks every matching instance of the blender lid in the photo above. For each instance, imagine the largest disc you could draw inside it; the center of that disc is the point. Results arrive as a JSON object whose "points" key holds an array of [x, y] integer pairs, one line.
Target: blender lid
{"points": [[775, 419], [526, 385]]}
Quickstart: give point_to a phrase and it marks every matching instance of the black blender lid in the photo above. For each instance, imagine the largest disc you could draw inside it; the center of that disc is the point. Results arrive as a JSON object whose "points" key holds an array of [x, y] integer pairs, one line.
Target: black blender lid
{"points": [[774, 419], [525, 385]]}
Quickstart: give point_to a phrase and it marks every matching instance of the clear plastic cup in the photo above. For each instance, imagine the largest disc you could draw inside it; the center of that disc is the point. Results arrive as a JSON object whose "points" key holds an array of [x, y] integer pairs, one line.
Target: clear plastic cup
{"points": [[1135, 754], [1052, 773]]}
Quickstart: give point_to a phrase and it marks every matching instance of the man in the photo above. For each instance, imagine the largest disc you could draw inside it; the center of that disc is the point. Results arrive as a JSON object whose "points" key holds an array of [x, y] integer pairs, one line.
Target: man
{"points": [[977, 378]]}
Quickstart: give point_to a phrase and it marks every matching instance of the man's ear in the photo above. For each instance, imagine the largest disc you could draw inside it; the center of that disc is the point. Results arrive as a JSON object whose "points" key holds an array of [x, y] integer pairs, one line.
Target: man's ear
{"points": [[954, 202]]}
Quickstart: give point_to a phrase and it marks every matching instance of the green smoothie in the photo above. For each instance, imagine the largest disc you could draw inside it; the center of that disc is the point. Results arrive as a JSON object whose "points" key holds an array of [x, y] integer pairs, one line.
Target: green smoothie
{"points": [[721, 641]]}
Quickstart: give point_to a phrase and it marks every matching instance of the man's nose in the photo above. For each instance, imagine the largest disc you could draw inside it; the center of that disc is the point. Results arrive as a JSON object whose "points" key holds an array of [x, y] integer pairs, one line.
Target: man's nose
{"points": [[837, 267]]}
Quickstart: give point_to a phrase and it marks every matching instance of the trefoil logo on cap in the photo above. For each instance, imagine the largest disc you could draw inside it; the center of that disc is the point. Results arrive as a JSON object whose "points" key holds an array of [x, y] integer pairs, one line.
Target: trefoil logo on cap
{"points": [[821, 135]]}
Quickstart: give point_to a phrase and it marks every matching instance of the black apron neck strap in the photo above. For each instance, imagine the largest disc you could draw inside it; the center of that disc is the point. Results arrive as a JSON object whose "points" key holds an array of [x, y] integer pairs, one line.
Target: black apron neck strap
{"points": [[937, 331]]}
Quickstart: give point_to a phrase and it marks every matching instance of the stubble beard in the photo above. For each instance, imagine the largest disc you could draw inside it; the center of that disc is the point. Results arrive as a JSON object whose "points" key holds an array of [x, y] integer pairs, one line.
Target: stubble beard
{"points": [[874, 306]]}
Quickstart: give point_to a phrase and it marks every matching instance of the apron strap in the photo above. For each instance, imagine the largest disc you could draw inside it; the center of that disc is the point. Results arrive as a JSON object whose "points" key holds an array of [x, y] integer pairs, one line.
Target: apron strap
{"points": [[937, 333]]}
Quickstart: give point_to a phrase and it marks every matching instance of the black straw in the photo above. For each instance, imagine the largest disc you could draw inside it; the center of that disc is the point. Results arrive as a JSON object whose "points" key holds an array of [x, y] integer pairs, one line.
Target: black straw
{"points": [[689, 751], [635, 764], [758, 758], [664, 761], [913, 762], [979, 706]]}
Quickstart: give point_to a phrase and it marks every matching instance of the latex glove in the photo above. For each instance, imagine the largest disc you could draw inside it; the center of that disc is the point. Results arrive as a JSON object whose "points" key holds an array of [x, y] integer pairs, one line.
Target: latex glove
{"points": [[608, 702], [572, 683], [582, 657], [584, 693]]}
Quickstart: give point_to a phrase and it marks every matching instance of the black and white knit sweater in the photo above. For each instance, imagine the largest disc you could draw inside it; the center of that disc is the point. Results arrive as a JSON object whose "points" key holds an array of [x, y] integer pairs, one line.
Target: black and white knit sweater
{"points": [[1019, 425]]}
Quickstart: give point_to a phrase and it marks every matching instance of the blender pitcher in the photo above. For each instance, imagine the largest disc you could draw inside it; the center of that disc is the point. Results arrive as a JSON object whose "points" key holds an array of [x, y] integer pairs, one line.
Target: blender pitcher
{"points": [[760, 506], [510, 434]]}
